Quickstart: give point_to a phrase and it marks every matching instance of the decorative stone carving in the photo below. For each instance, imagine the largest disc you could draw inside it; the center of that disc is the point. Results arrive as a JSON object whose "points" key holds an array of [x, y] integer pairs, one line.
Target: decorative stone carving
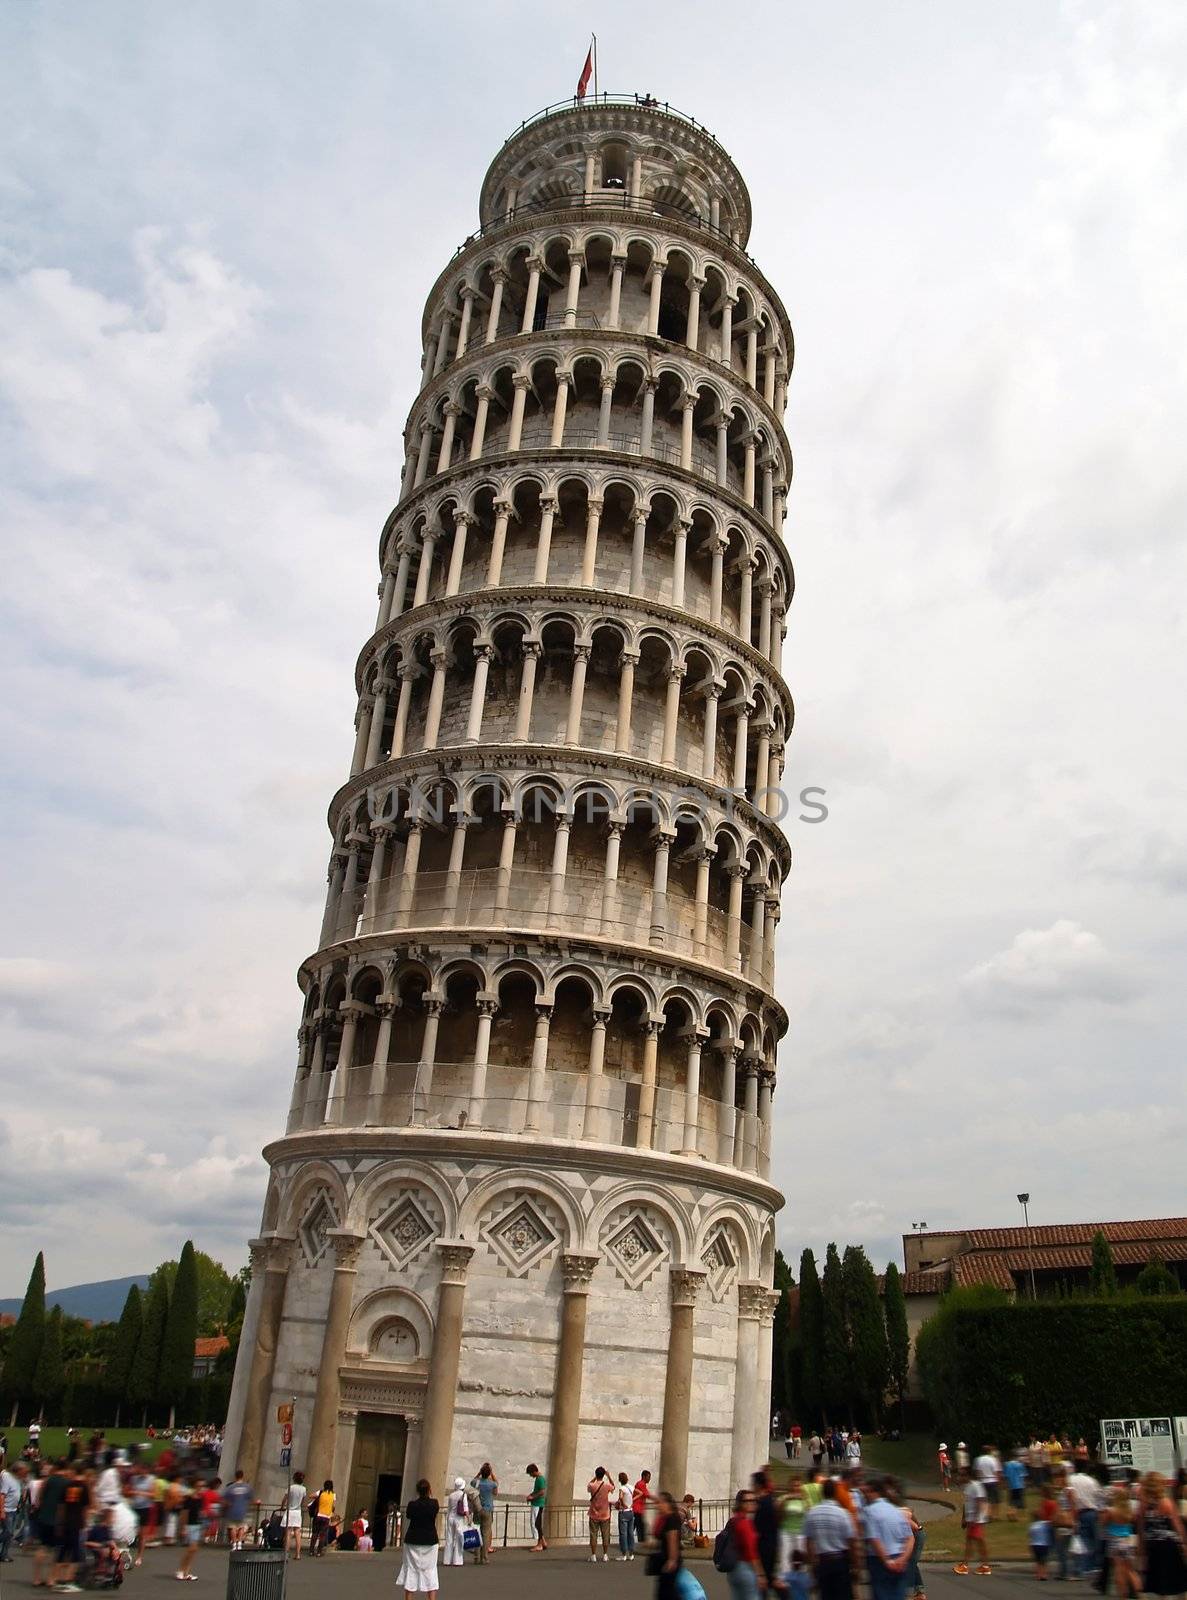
{"points": [[314, 1232], [521, 1237], [377, 1395], [635, 1250], [686, 1285], [752, 1300], [455, 1260], [578, 1271], [404, 1231], [720, 1263], [346, 1249]]}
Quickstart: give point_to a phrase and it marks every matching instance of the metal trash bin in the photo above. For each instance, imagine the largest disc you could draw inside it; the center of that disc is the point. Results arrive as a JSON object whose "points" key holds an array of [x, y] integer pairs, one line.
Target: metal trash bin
{"points": [[255, 1575]]}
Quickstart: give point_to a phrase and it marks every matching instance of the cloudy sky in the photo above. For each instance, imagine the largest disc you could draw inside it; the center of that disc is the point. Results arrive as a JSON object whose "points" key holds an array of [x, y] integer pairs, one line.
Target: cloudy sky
{"points": [[219, 225]]}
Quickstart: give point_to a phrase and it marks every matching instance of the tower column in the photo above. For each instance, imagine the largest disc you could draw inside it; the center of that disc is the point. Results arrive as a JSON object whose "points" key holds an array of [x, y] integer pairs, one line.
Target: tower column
{"points": [[488, 1008], [581, 654], [592, 1127], [319, 1457], [589, 560], [578, 1270], [673, 1449], [610, 875], [617, 265], [496, 306], [647, 1083], [498, 543], [537, 1076], [436, 699], [378, 714], [626, 695], [727, 1127], [445, 1361], [482, 658], [671, 715], [549, 507], [532, 651], [421, 593], [276, 1252], [533, 292], [519, 384], [751, 1305]]}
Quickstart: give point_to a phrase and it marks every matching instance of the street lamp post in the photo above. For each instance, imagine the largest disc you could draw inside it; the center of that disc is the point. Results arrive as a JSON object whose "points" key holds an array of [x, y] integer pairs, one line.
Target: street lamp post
{"points": [[1024, 1202]]}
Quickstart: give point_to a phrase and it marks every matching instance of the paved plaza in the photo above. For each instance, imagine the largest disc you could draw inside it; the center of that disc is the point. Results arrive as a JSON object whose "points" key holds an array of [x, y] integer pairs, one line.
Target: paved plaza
{"points": [[511, 1575]]}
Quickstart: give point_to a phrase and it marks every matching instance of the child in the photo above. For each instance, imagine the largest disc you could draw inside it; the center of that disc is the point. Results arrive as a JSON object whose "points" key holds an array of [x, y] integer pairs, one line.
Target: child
{"points": [[799, 1579], [1120, 1541], [1039, 1534]]}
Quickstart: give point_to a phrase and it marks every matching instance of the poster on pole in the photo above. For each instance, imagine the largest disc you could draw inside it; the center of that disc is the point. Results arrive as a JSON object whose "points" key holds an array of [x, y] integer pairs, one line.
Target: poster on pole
{"points": [[1146, 1444]]}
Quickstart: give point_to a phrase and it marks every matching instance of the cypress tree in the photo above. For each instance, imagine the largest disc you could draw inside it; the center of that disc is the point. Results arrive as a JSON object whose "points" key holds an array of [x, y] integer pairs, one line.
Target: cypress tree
{"points": [[834, 1364], [123, 1349], [898, 1339], [25, 1345], [869, 1364], [1104, 1274], [811, 1335], [49, 1377], [146, 1363], [181, 1329], [783, 1337]]}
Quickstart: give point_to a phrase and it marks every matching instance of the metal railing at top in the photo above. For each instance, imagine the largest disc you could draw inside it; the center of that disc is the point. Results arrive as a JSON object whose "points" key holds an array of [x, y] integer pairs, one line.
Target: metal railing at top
{"points": [[606, 200], [584, 905], [538, 436], [644, 102], [569, 1524], [444, 1096]]}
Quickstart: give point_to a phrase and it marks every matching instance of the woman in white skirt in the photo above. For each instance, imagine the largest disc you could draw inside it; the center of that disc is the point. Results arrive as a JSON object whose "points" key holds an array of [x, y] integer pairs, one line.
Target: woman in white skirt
{"points": [[294, 1506], [457, 1520], [418, 1572]]}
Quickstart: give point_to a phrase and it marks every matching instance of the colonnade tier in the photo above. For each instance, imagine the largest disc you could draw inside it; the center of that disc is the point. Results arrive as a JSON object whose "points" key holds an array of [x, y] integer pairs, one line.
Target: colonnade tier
{"points": [[574, 682], [619, 146], [564, 1048], [427, 863], [605, 397], [597, 320], [534, 273], [579, 530]]}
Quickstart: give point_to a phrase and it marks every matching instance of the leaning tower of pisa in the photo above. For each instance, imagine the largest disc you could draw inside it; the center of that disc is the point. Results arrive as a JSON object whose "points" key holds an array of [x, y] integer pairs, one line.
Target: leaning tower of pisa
{"points": [[522, 1208]]}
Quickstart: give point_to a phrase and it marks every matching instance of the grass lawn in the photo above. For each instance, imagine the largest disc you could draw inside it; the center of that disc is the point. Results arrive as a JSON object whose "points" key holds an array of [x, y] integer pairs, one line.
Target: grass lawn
{"points": [[53, 1441]]}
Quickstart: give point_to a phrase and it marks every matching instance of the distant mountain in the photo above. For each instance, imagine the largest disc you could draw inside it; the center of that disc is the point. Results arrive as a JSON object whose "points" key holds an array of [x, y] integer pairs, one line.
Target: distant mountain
{"points": [[95, 1302]]}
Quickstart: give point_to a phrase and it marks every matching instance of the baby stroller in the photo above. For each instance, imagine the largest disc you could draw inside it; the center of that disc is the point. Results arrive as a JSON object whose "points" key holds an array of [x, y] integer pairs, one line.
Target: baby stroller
{"points": [[274, 1532], [105, 1568]]}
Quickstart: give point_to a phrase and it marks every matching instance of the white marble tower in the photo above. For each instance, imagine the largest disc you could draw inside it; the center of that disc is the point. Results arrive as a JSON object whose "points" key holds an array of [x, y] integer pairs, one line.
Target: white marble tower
{"points": [[522, 1209]]}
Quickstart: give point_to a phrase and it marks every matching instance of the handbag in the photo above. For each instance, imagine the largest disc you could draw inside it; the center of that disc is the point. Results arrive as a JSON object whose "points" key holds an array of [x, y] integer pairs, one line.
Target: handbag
{"points": [[471, 1539]]}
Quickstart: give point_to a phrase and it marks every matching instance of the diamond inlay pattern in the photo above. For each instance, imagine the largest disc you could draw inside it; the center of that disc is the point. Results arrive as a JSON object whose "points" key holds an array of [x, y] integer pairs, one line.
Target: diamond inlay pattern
{"points": [[635, 1250], [404, 1231], [720, 1263], [521, 1237], [315, 1229]]}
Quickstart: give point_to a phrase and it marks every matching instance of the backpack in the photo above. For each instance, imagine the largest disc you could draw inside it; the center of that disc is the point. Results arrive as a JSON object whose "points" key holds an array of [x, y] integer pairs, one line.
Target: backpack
{"points": [[725, 1551]]}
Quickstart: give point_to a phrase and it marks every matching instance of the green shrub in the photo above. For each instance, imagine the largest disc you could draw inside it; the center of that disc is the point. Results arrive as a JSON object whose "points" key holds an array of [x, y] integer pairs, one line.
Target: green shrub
{"points": [[1001, 1372]]}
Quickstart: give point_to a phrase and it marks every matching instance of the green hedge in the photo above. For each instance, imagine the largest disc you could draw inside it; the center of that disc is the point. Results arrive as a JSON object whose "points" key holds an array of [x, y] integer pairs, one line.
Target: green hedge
{"points": [[998, 1373]]}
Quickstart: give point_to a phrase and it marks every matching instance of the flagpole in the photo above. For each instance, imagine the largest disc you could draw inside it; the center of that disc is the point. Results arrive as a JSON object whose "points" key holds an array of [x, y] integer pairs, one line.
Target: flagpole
{"points": [[595, 56]]}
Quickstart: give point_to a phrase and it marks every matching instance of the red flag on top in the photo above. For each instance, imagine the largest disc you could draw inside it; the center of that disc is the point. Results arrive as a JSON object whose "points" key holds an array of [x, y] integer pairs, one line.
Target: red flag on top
{"points": [[586, 74]]}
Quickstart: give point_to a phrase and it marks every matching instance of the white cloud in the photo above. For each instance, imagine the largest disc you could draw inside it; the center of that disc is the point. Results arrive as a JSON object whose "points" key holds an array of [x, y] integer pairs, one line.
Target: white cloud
{"points": [[1044, 968]]}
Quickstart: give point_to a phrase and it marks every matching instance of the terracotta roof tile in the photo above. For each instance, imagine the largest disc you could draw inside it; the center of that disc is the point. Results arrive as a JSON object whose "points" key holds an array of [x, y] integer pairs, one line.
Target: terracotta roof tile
{"points": [[1072, 1233], [211, 1347]]}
